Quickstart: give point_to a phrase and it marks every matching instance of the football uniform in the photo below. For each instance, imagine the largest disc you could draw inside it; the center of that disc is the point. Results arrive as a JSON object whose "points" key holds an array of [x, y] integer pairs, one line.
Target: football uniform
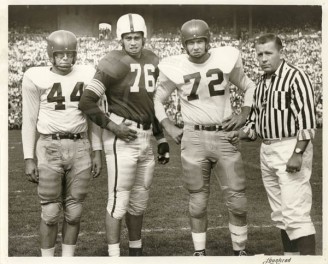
{"points": [[204, 95], [129, 85], [50, 106]]}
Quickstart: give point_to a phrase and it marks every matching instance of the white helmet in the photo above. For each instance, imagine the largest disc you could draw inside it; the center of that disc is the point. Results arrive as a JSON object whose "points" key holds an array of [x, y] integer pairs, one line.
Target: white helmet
{"points": [[130, 23]]}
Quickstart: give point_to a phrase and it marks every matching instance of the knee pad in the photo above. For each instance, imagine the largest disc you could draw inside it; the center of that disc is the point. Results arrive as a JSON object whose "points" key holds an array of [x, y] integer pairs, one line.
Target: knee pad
{"points": [[73, 212], [237, 203], [138, 201], [50, 213], [117, 204], [198, 204]]}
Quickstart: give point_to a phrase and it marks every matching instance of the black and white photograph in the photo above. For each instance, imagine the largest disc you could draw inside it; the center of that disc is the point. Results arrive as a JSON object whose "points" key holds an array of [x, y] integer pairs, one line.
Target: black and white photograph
{"points": [[164, 131]]}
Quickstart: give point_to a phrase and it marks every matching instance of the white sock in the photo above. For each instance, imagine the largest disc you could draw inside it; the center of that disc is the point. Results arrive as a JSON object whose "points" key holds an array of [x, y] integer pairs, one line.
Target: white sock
{"points": [[114, 250], [135, 244], [48, 252], [68, 250], [291, 253], [238, 236], [199, 240]]}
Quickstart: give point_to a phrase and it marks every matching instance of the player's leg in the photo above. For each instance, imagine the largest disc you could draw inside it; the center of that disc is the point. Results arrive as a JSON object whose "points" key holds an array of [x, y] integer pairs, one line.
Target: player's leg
{"points": [[121, 158], [296, 196], [229, 170], [196, 173], [140, 193], [77, 178], [49, 191]]}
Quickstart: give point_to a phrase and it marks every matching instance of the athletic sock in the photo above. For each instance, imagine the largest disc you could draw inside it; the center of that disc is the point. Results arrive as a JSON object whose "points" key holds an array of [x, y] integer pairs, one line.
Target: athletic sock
{"points": [[135, 244], [114, 250], [238, 236], [48, 252], [199, 240], [68, 250]]}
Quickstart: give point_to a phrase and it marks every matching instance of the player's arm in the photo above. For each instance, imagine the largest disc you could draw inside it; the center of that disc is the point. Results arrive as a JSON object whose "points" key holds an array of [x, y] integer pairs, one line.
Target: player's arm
{"points": [[164, 88], [163, 148], [95, 137], [247, 132], [31, 104], [88, 104], [303, 93], [247, 86]]}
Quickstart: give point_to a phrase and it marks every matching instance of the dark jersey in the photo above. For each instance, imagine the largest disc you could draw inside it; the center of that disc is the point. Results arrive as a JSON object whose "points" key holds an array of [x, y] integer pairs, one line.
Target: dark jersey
{"points": [[129, 85]]}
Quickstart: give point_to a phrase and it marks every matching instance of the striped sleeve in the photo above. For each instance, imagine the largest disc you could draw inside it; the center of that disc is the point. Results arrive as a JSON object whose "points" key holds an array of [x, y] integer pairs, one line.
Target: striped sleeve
{"points": [[89, 103], [31, 105], [304, 106]]}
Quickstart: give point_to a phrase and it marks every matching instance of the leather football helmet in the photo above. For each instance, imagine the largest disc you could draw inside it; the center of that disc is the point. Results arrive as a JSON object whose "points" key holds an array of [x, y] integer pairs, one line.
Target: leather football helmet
{"points": [[61, 41], [194, 29], [130, 23]]}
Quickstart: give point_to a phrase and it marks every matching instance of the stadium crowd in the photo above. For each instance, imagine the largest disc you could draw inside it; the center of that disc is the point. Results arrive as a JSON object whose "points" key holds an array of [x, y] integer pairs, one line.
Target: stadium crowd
{"points": [[27, 48]]}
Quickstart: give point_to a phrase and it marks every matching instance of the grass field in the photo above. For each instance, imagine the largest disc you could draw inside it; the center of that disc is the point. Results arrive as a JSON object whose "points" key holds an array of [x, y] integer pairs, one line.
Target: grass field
{"points": [[166, 229]]}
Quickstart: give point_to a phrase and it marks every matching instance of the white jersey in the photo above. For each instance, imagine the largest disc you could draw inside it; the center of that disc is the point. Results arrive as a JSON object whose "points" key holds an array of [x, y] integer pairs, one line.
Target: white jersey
{"points": [[203, 88], [50, 103]]}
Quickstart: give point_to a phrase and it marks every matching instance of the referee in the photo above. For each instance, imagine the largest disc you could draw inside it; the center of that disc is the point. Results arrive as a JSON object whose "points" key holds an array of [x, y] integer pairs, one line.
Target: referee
{"points": [[283, 116]]}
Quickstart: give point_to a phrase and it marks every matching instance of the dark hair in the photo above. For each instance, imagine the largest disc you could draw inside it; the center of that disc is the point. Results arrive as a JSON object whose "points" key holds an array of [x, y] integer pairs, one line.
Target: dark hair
{"points": [[268, 38]]}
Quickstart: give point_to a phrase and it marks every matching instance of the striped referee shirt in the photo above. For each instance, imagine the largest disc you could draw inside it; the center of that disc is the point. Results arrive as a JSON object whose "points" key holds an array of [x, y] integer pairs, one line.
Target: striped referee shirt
{"points": [[283, 106]]}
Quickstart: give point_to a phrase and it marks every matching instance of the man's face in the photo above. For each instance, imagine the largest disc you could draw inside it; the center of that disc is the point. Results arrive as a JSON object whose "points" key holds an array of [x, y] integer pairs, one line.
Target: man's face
{"points": [[196, 47], [133, 43], [63, 62], [268, 56]]}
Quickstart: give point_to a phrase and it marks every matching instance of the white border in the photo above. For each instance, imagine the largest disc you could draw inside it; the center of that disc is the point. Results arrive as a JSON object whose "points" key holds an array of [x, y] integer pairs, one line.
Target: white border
{"points": [[4, 137]]}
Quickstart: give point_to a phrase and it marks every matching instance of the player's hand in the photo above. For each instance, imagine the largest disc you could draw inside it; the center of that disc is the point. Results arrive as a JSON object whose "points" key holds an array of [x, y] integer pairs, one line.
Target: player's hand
{"points": [[96, 164], [163, 150], [123, 131], [233, 137], [233, 122], [294, 163], [175, 132], [31, 171]]}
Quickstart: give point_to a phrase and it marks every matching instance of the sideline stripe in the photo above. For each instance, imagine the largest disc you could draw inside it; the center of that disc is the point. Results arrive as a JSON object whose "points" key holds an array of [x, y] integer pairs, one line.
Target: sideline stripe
{"points": [[162, 230]]}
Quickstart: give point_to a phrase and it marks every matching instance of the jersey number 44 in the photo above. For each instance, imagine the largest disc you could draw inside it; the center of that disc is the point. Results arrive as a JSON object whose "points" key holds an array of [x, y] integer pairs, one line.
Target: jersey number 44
{"points": [[56, 95]]}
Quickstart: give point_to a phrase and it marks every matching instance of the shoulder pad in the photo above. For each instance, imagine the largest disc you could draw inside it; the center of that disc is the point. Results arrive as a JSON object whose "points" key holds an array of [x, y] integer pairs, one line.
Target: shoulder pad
{"points": [[115, 64], [150, 55], [36, 72], [227, 57], [173, 67]]}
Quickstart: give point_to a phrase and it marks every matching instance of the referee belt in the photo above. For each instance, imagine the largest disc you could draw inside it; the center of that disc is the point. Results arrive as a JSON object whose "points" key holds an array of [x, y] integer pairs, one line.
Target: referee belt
{"points": [[275, 140], [208, 127], [75, 136]]}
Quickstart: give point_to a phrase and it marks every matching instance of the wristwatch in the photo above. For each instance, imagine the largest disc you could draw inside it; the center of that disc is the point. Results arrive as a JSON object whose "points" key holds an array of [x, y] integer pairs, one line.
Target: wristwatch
{"points": [[299, 151]]}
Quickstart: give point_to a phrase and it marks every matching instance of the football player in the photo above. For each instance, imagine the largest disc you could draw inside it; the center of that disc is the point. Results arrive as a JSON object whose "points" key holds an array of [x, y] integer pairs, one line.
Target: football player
{"points": [[50, 107], [127, 77], [202, 78]]}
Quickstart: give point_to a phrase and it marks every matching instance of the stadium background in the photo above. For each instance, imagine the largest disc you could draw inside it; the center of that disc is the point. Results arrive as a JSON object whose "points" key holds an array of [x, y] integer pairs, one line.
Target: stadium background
{"points": [[300, 29]]}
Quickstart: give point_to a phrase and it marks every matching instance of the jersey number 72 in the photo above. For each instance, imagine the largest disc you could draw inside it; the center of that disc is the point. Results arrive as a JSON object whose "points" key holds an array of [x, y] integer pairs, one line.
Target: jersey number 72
{"points": [[196, 76]]}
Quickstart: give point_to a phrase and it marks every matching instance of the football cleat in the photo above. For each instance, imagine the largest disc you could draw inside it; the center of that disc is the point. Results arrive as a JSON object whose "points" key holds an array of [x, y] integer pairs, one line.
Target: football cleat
{"points": [[199, 253], [135, 252], [240, 253]]}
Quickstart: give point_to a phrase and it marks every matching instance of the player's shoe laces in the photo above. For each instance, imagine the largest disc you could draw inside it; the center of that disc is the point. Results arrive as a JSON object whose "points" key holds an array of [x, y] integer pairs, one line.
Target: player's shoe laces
{"points": [[240, 253], [199, 253]]}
